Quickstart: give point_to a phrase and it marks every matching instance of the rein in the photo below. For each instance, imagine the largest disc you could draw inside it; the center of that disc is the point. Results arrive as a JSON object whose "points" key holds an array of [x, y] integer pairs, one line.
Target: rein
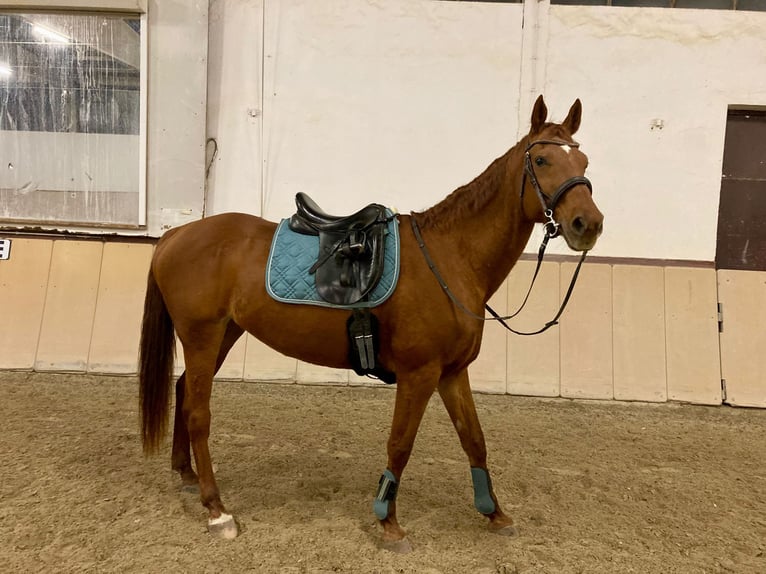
{"points": [[552, 229]]}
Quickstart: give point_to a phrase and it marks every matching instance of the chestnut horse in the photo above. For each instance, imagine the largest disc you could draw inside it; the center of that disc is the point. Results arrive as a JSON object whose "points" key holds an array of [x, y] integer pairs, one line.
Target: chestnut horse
{"points": [[207, 282]]}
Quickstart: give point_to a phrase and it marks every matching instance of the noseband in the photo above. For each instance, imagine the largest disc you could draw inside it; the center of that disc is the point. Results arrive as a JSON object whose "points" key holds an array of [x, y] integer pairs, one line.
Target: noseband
{"points": [[549, 203]]}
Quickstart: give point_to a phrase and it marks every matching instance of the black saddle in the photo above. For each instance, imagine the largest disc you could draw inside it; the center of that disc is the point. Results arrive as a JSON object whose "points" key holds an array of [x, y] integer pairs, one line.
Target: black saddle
{"points": [[348, 266], [351, 249], [310, 219]]}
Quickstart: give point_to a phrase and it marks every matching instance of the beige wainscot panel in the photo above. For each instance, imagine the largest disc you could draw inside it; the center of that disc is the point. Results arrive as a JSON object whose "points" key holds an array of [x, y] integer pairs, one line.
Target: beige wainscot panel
{"points": [[533, 361], [586, 333], [488, 371], [233, 367], [70, 306], [179, 365], [23, 284], [743, 340], [638, 303], [119, 308], [262, 363], [691, 331], [316, 374]]}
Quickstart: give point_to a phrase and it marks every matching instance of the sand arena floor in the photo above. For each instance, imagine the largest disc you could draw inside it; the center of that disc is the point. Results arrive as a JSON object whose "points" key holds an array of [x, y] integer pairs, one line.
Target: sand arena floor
{"points": [[594, 487]]}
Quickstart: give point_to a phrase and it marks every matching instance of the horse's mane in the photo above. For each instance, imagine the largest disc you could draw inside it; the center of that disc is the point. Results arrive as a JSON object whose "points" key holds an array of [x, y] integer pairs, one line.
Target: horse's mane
{"points": [[470, 198], [474, 196]]}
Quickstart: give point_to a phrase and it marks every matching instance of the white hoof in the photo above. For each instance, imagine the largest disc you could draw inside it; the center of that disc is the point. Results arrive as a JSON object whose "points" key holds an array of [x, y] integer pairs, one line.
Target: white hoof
{"points": [[223, 527]]}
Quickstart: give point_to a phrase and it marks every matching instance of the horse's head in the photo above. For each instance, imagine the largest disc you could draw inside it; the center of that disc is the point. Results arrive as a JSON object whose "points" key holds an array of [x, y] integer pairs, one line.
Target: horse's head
{"points": [[554, 188]]}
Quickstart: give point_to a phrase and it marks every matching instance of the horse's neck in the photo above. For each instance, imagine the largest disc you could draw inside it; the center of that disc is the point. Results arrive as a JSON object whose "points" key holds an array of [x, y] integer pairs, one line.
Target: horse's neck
{"points": [[480, 228]]}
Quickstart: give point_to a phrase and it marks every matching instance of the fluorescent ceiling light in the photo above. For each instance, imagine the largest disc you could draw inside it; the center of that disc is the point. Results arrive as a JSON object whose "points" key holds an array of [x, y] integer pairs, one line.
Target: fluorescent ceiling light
{"points": [[49, 35]]}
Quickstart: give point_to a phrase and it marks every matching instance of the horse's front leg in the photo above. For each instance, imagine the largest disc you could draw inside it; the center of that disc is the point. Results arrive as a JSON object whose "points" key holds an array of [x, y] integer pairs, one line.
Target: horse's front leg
{"points": [[455, 392], [412, 397]]}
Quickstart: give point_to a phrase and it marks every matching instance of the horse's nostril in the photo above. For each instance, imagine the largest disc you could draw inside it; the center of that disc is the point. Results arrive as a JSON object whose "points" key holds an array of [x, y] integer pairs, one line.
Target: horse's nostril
{"points": [[599, 227], [579, 225]]}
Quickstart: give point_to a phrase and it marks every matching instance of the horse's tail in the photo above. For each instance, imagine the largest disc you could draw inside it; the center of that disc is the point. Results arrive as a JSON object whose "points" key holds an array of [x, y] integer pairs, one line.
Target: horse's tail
{"points": [[155, 367]]}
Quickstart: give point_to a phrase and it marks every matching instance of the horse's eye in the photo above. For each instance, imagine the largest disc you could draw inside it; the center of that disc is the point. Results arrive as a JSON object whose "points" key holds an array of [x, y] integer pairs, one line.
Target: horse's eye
{"points": [[540, 160]]}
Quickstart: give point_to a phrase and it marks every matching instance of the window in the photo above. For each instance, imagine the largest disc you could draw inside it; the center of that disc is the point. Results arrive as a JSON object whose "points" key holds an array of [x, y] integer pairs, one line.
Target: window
{"points": [[71, 119]]}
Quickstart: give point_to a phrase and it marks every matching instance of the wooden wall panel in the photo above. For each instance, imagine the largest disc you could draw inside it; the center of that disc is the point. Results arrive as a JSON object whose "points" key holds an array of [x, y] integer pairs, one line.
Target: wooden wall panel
{"points": [[23, 285], [586, 333], [631, 332], [179, 365], [488, 371], [119, 308], [263, 363], [639, 333], [317, 375], [691, 331], [534, 362], [70, 306], [743, 339], [233, 368]]}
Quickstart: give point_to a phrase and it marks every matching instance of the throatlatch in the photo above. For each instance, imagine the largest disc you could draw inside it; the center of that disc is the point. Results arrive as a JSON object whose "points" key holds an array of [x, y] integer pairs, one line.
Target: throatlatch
{"points": [[387, 489], [482, 490]]}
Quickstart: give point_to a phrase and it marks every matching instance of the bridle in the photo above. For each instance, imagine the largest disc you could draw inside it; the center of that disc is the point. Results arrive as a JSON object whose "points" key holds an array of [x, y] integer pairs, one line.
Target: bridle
{"points": [[552, 229], [549, 203]]}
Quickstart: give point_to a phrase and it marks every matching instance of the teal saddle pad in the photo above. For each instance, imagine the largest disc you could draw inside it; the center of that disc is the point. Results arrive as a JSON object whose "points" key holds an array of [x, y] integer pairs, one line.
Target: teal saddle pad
{"points": [[292, 255]]}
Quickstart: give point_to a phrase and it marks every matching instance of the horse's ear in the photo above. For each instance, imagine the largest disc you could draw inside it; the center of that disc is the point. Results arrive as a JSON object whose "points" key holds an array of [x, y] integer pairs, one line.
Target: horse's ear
{"points": [[572, 123], [539, 114]]}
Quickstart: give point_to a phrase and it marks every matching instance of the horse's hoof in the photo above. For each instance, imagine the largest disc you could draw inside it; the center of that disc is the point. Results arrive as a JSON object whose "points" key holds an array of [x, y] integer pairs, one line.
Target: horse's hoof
{"points": [[223, 527], [401, 546], [192, 488], [510, 531]]}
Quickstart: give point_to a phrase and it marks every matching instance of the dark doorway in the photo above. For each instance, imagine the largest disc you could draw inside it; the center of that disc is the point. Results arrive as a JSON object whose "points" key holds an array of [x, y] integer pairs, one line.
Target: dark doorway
{"points": [[741, 240]]}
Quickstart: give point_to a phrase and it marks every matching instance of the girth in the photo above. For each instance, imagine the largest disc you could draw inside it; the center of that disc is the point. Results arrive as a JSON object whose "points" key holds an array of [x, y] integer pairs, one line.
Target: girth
{"points": [[351, 249]]}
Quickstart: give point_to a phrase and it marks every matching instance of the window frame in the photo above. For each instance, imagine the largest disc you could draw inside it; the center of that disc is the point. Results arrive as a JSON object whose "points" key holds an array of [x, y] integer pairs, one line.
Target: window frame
{"points": [[173, 114]]}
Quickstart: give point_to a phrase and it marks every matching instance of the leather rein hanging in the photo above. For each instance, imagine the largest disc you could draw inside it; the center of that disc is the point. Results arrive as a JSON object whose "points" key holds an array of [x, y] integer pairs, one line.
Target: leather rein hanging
{"points": [[552, 229]]}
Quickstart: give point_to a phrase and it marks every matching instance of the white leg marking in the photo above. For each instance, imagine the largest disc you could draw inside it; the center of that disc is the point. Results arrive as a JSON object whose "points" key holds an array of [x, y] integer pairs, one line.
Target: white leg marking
{"points": [[224, 518]]}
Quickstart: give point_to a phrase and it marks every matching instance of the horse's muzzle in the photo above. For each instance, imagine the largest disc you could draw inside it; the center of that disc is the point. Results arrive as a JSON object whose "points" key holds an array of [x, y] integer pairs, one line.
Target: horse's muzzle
{"points": [[583, 229]]}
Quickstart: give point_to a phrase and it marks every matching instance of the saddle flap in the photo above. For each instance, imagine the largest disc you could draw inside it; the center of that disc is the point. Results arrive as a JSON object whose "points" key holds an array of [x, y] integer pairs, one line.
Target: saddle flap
{"points": [[350, 264]]}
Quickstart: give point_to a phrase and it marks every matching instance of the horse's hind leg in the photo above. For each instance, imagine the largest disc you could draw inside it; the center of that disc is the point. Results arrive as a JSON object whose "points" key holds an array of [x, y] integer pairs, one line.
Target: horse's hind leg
{"points": [[180, 458], [181, 453], [456, 394], [203, 352]]}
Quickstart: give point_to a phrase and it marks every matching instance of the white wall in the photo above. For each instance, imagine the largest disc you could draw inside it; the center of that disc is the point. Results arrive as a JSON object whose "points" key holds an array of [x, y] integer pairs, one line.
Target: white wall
{"points": [[397, 102], [658, 188], [403, 101]]}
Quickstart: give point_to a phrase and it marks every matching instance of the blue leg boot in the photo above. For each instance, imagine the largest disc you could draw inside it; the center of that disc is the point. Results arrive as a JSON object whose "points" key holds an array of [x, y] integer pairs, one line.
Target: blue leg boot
{"points": [[482, 488], [387, 488]]}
